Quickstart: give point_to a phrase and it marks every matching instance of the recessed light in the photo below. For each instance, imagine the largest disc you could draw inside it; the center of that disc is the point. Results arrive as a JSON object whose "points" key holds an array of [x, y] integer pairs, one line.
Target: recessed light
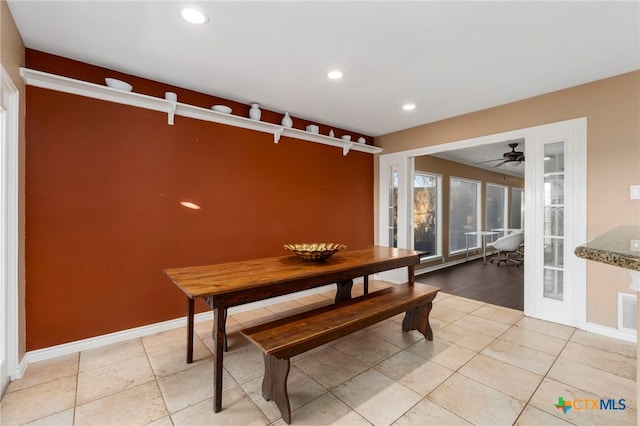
{"points": [[408, 107], [193, 16], [335, 75]]}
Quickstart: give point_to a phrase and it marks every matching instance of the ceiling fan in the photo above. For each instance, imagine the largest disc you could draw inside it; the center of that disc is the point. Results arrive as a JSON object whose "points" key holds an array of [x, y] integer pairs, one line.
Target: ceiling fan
{"points": [[508, 157]]}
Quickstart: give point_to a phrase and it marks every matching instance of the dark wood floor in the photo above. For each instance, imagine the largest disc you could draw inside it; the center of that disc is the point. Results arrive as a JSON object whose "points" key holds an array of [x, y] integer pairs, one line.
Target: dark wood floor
{"points": [[499, 285]]}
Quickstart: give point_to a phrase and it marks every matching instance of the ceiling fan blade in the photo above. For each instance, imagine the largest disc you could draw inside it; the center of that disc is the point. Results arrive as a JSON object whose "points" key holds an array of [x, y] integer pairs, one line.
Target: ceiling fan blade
{"points": [[500, 164], [488, 161]]}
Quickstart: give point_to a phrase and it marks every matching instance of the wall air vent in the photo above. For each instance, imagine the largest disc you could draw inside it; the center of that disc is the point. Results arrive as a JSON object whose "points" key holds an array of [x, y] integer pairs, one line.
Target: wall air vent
{"points": [[627, 313]]}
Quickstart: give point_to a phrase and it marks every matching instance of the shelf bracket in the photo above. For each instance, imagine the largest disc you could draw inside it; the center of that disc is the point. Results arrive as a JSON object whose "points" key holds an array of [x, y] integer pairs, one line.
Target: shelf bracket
{"points": [[172, 113], [277, 132], [346, 148]]}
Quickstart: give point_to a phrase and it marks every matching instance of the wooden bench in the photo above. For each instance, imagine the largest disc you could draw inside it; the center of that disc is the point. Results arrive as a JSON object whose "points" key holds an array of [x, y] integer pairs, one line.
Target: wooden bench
{"points": [[284, 338]]}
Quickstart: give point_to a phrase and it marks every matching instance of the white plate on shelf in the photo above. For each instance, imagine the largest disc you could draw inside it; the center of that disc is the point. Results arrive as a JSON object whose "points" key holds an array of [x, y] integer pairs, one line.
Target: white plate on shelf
{"points": [[118, 84], [222, 108]]}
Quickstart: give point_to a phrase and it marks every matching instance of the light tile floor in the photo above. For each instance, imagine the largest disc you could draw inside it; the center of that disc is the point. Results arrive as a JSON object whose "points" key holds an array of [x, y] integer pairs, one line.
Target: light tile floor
{"points": [[487, 365]]}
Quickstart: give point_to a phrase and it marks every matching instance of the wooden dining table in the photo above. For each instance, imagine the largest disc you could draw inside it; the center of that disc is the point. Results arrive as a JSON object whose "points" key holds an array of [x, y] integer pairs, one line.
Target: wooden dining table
{"points": [[229, 284]]}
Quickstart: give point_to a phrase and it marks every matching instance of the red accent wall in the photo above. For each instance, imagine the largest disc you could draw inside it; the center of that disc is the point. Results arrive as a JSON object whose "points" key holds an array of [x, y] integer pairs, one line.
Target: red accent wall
{"points": [[103, 219]]}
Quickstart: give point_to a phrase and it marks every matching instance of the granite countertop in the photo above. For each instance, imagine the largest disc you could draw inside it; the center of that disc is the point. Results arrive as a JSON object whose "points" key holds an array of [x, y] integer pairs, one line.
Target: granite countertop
{"points": [[618, 247]]}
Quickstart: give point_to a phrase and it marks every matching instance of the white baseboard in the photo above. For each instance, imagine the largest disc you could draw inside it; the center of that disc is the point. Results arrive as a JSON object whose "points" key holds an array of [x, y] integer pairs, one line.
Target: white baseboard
{"points": [[448, 264], [146, 330], [611, 332], [20, 369]]}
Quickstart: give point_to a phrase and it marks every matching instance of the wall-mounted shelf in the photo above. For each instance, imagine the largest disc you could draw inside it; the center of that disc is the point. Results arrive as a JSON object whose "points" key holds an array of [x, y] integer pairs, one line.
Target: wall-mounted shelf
{"points": [[105, 93]]}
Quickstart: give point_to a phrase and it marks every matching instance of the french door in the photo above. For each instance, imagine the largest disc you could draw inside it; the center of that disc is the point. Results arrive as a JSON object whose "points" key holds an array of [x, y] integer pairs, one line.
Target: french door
{"points": [[555, 202], [555, 189]]}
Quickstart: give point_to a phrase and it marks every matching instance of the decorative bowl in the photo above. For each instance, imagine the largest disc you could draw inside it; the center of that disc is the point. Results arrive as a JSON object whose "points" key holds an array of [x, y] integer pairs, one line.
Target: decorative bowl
{"points": [[222, 108], [315, 252], [118, 84]]}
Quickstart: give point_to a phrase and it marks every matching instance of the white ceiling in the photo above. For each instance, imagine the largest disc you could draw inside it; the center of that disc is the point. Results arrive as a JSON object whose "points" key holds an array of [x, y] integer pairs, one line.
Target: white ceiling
{"points": [[449, 58]]}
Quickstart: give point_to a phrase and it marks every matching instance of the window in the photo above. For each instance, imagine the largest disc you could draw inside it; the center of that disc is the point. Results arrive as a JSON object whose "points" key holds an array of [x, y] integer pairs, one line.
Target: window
{"points": [[464, 213], [426, 213], [517, 208], [496, 206]]}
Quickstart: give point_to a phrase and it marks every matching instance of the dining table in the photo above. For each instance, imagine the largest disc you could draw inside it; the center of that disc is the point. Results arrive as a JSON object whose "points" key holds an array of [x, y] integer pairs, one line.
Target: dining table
{"points": [[224, 285]]}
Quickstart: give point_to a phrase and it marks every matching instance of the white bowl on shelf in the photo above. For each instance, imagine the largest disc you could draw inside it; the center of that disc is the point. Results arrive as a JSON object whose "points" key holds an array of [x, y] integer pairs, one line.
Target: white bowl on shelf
{"points": [[222, 108], [346, 137], [118, 84]]}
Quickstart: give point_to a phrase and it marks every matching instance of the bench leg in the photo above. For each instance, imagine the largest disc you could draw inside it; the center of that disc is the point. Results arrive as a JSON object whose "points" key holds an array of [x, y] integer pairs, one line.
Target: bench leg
{"points": [[418, 319], [274, 384]]}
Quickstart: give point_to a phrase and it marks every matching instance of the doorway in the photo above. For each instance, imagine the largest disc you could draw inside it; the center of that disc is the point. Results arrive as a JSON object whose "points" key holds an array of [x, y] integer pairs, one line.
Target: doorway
{"points": [[568, 273]]}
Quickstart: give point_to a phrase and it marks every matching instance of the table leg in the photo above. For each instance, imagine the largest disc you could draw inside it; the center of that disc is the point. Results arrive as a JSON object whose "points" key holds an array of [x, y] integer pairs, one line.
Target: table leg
{"points": [[484, 249], [190, 303], [343, 292], [466, 240], [218, 351], [224, 326], [366, 284]]}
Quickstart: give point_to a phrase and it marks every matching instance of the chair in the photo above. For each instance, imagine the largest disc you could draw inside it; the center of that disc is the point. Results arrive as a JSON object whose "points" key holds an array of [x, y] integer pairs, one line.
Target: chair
{"points": [[508, 245]]}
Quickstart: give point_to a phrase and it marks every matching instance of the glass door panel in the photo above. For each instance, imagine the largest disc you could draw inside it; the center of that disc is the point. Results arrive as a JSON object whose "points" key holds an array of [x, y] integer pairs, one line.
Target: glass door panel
{"points": [[393, 207], [553, 284], [553, 232]]}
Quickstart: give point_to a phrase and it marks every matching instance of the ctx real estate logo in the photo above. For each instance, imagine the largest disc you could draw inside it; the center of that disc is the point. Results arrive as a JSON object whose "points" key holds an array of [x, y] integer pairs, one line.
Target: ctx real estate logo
{"points": [[588, 404]]}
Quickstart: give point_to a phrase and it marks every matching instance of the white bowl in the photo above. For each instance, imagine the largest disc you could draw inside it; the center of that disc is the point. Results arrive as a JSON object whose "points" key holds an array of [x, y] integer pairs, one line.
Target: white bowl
{"points": [[346, 137], [222, 108], [118, 84]]}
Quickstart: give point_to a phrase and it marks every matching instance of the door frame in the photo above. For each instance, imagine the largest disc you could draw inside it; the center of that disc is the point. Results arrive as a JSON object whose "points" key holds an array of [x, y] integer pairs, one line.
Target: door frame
{"points": [[534, 137], [9, 101]]}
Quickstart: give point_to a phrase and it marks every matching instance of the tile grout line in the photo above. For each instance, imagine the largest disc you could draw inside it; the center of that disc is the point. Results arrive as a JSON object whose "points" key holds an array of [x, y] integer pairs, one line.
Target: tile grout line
{"points": [[155, 379], [75, 395], [545, 376]]}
